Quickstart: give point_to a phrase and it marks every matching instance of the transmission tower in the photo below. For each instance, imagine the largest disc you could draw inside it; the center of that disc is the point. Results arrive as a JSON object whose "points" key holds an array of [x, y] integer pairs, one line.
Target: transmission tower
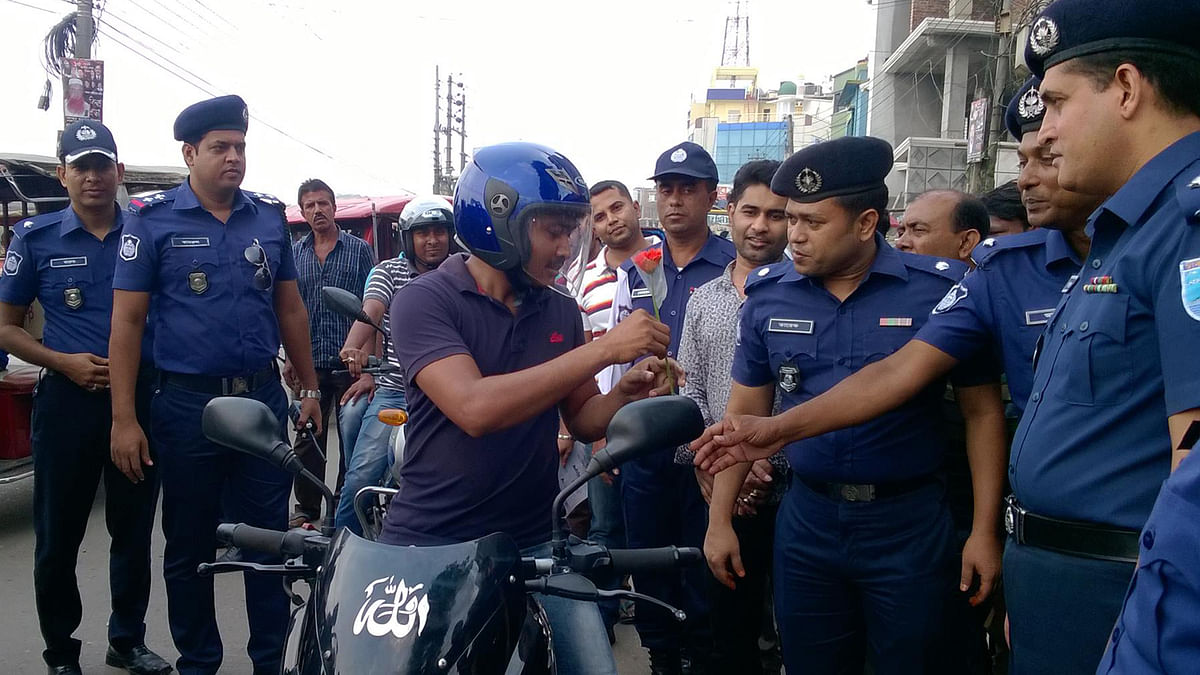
{"points": [[735, 49]]}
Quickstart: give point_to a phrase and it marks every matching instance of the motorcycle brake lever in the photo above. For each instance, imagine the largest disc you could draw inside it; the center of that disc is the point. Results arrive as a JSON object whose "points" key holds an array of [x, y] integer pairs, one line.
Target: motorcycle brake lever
{"points": [[678, 614], [290, 571]]}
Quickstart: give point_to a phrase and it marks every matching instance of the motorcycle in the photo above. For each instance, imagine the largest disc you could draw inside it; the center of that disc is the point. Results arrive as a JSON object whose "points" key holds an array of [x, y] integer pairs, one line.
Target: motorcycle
{"points": [[468, 608]]}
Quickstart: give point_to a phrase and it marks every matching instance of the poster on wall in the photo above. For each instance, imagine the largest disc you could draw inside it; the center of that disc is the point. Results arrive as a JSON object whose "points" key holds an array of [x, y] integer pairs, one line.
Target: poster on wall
{"points": [[977, 130], [83, 90]]}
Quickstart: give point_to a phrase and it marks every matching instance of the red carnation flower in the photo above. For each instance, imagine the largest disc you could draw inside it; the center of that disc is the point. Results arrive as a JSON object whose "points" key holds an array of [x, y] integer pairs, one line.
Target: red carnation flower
{"points": [[649, 259]]}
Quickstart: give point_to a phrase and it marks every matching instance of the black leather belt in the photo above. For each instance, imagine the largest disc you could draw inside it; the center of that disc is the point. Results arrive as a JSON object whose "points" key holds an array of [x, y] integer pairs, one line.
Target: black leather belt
{"points": [[1086, 540], [867, 492], [221, 386]]}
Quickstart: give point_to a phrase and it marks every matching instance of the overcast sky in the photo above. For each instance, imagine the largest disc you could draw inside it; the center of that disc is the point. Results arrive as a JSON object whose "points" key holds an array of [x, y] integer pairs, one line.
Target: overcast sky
{"points": [[610, 88]]}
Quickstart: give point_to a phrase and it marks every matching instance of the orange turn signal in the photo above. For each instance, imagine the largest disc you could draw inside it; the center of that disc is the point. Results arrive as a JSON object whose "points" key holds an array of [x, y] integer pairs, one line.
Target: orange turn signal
{"points": [[392, 417]]}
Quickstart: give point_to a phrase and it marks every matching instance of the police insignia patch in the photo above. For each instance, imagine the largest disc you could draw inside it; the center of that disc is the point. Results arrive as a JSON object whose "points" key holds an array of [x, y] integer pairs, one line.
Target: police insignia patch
{"points": [[1030, 105], [1189, 282], [956, 293], [12, 263], [198, 282], [129, 246], [73, 298], [679, 155], [942, 265], [85, 133], [1043, 37], [808, 181], [789, 377]]}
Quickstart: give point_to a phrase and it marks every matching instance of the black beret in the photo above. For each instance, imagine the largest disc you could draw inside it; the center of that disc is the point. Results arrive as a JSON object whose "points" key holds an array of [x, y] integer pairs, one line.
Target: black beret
{"points": [[686, 159], [1026, 110], [224, 113], [1068, 29], [843, 166]]}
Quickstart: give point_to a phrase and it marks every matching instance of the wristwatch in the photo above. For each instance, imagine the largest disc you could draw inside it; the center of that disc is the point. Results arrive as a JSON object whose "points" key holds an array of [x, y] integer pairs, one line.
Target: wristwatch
{"points": [[310, 393], [566, 437]]}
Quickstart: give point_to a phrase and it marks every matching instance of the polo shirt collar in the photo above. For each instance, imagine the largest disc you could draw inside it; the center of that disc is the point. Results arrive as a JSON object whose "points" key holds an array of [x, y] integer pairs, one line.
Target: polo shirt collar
{"points": [[1139, 193], [185, 199]]}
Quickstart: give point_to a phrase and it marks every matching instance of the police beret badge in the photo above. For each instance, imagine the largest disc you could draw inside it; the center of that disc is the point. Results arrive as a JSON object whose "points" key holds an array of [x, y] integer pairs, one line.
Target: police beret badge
{"points": [[85, 133], [808, 181], [1043, 37], [679, 155], [1030, 105]]}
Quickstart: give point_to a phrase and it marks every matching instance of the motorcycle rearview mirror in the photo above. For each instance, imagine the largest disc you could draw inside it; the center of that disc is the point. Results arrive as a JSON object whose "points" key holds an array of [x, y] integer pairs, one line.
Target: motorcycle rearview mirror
{"points": [[248, 426], [658, 424], [347, 304]]}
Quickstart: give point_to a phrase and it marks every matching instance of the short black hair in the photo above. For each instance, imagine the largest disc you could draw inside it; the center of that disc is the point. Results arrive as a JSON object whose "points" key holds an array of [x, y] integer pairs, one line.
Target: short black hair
{"points": [[1005, 203], [316, 185], [758, 172], [875, 199], [969, 212], [1176, 78], [603, 185]]}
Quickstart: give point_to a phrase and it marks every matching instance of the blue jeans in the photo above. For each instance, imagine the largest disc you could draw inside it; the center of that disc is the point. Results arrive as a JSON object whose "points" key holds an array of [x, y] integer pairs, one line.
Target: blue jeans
{"points": [[350, 419], [368, 461], [608, 529], [580, 642]]}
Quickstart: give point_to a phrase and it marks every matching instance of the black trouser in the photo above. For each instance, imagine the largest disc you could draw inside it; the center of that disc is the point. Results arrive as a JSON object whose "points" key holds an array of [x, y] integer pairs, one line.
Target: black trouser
{"points": [[70, 455], [737, 615], [308, 496]]}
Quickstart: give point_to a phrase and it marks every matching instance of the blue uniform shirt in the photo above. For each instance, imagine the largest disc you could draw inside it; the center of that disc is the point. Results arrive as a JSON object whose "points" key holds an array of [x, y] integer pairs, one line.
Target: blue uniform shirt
{"points": [[798, 334], [708, 264], [207, 312], [1006, 303], [1156, 631], [1119, 354], [70, 272]]}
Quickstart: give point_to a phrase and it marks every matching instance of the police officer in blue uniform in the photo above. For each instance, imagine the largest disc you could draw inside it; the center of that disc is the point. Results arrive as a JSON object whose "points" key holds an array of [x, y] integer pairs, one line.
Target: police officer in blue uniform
{"points": [[1115, 385], [213, 265], [65, 260], [663, 504], [864, 539]]}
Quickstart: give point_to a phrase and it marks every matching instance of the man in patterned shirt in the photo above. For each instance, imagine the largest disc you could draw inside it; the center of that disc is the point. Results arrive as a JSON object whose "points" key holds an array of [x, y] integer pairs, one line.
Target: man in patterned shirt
{"points": [[758, 226], [426, 233], [327, 256]]}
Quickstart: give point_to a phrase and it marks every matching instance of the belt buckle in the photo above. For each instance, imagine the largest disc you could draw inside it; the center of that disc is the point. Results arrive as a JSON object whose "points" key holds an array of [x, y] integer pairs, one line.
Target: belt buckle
{"points": [[237, 385], [857, 493], [1014, 520]]}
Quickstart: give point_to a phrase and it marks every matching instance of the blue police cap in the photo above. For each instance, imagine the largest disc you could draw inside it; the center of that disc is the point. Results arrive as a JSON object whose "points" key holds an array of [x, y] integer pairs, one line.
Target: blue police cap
{"points": [[843, 166], [221, 113], [686, 159], [86, 137], [1068, 29], [1026, 110]]}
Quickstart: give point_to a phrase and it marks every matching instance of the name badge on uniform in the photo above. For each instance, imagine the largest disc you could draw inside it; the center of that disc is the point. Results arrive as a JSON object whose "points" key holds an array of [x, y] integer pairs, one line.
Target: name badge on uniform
{"points": [[189, 242], [60, 263], [797, 326], [639, 293], [1038, 317], [198, 282], [789, 376], [73, 298]]}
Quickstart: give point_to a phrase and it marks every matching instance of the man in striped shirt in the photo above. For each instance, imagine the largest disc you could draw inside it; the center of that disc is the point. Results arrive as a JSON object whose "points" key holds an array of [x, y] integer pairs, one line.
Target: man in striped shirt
{"points": [[327, 256]]}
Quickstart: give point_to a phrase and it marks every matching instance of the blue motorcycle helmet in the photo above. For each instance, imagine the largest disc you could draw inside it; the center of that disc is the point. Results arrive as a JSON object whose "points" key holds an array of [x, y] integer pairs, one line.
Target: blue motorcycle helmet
{"points": [[504, 191]]}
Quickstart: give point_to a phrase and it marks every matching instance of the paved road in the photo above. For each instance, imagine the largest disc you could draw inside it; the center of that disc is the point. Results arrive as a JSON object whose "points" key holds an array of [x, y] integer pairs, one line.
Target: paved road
{"points": [[20, 641]]}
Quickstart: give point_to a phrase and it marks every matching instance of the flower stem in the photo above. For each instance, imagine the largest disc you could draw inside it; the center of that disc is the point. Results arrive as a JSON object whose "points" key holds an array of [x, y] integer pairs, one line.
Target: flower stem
{"points": [[670, 371]]}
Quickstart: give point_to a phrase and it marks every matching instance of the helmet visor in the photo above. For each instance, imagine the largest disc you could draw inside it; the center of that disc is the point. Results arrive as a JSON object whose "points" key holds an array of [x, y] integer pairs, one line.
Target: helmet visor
{"points": [[560, 239]]}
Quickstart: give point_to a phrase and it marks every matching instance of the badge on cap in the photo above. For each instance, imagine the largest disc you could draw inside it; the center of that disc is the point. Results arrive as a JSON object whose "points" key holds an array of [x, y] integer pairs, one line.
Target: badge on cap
{"points": [[73, 298], [1043, 37], [198, 282], [679, 155], [1189, 282], [956, 293], [789, 377], [246, 114], [129, 246], [942, 265], [1030, 105], [12, 263], [808, 181], [85, 133]]}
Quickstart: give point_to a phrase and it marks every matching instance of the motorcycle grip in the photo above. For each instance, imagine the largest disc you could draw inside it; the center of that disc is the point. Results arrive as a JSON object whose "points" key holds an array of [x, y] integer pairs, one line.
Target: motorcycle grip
{"points": [[629, 560], [272, 542]]}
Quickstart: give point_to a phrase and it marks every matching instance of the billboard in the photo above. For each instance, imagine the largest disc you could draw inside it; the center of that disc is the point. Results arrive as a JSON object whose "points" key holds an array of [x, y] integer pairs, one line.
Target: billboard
{"points": [[83, 90]]}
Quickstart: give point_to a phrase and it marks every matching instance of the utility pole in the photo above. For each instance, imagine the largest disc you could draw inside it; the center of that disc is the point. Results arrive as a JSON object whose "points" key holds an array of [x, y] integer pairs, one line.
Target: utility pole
{"points": [[84, 29], [437, 131], [462, 131], [449, 131], [983, 178]]}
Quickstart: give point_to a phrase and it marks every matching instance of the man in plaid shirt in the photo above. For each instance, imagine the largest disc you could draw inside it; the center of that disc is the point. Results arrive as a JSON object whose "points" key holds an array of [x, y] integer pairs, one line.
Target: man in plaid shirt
{"points": [[327, 256]]}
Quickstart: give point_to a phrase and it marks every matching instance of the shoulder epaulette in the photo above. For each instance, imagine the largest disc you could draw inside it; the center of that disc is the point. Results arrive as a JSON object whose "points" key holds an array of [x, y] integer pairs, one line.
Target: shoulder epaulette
{"points": [[265, 198], [990, 247], [35, 223], [1189, 199], [942, 267], [139, 205], [768, 274]]}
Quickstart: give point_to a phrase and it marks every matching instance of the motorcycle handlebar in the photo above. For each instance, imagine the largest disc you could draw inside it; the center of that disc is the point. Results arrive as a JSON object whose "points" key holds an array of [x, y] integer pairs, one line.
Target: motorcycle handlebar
{"points": [[633, 560], [272, 542]]}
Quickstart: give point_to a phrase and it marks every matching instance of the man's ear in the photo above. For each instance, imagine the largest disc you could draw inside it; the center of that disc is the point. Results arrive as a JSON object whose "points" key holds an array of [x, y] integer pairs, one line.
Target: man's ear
{"points": [[61, 172], [865, 225], [970, 239], [189, 154]]}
